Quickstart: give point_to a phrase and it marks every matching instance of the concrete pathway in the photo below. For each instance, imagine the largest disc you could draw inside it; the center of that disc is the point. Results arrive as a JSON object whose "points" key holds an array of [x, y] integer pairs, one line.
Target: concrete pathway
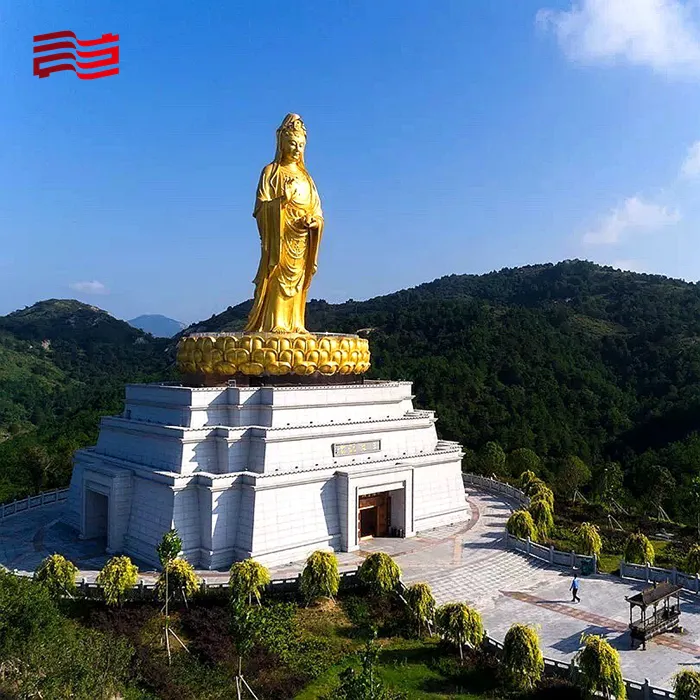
{"points": [[461, 563]]}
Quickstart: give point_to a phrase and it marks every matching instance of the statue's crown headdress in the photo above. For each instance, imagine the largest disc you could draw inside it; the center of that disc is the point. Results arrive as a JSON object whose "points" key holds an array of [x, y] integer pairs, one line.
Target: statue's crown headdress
{"points": [[292, 124]]}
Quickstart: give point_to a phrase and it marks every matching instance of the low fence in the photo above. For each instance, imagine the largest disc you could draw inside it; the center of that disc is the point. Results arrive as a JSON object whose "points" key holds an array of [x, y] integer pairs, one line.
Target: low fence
{"points": [[550, 555], [654, 574], [145, 591], [562, 669], [24, 504], [495, 486]]}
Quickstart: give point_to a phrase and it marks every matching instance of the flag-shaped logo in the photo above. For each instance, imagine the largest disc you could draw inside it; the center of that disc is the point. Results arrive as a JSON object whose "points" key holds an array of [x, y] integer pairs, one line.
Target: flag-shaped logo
{"points": [[62, 51]]}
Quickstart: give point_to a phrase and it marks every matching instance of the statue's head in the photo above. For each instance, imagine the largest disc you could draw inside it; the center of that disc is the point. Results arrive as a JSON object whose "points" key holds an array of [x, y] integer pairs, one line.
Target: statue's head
{"points": [[291, 140]]}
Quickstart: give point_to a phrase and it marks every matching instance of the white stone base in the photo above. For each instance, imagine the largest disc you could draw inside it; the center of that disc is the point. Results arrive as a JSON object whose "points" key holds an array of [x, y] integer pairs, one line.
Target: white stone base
{"points": [[269, 472]]}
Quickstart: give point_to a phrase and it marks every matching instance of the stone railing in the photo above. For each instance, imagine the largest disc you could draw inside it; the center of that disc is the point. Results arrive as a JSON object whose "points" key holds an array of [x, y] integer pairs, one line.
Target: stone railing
{"points": [[495, 486], [653, 574], [31, 502], [582, 562], [146, 590], [562, 669]]}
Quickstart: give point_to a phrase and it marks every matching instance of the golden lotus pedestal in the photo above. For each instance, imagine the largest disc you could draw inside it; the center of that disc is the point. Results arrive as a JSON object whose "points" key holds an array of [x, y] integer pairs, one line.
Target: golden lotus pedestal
{"points": [[215, 358]]}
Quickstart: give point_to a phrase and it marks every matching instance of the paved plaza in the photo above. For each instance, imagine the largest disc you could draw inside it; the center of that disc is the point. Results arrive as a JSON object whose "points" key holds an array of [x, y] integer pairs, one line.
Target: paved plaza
{"points": [[467, 562]]}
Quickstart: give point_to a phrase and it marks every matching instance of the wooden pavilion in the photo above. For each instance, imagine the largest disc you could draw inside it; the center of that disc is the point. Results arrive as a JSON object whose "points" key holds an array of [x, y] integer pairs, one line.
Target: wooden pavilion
{"points": [[665, 602]]}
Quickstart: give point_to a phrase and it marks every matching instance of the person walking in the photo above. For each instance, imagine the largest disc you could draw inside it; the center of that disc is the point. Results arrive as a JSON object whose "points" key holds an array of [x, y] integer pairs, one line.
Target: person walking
{"points": [[574, 590]]}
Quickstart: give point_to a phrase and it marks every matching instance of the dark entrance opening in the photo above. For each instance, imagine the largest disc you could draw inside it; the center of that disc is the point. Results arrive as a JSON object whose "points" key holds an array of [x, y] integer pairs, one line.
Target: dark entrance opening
{"points": [[96, 514], [374, 515]]}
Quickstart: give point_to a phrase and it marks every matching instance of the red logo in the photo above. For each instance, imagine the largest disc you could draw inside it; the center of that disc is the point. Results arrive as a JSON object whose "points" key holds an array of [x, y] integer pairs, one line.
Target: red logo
{"points": [[83, 63]]}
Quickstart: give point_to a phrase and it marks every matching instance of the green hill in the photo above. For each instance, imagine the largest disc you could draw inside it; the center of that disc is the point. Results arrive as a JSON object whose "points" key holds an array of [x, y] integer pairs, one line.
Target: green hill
{"points": [[565, 359], [63, 364]]}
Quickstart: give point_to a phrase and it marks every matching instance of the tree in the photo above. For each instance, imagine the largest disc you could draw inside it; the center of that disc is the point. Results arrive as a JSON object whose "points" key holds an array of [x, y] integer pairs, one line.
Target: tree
{"points": [[367, 684], [573, 474], [521, 461], [420, 600], [522, 659], [459, 624], [655, 482], [607, 481], [58, 575], [380, 572], [247, 579], [169, 547], [178, 576], [38, 465], [520, 524], [525, 478], [542, 516], [588, 536], [320, 577], [492, 459], [117, 576], [686, 685], [638, 549], [692, 560], [537, 489], [599, 668]]}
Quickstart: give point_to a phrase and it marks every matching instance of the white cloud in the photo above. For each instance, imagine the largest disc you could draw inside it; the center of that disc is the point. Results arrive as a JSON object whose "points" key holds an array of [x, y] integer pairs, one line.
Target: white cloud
{"points": [[691, 164], [631, 265], [661, 34], [93, 287], [633, 214]]}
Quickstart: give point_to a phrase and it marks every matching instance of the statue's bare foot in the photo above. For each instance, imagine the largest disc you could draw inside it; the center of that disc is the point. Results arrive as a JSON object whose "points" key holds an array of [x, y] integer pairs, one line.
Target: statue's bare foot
{"points": [[301, 329], [278, 329]]}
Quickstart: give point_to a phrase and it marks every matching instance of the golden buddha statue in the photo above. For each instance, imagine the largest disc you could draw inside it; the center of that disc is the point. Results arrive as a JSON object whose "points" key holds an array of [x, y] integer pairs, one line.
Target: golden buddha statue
{"points": [[290, 223]]}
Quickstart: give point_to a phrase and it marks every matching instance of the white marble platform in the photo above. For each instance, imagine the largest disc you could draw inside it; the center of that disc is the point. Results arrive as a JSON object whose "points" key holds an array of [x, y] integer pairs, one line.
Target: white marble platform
{"points": [[268, 472]]}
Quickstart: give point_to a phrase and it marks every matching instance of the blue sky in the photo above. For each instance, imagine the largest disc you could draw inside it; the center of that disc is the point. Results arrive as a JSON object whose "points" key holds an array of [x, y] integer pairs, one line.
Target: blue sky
{"points": [[458, 136]]}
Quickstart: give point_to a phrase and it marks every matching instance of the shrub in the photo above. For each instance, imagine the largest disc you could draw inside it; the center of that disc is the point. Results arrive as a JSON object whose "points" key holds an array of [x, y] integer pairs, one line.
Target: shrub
{"points": [[542, 516], [320, 577], [459, 624], [638, 549], [181, 578], [520, 524], [522, 660], [380, 572], [692, 561], [686, 685], [118, 575], [247, 579], [599, 668], [538, 490], [422, 604], [58, 575], [588, 536]]}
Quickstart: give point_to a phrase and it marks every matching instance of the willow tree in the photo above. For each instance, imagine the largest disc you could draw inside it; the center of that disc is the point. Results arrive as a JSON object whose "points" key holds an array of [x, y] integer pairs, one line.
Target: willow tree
{"points": [[320, 577], [686, 685], [178, 576], [542, 515], [588, 537], [459, 624], [421, 602], [599, 668], [247, 579], [638, 549], [525, 478], [522, 660], [57, 574], [117, 576], [380, 572], [538, 490], [692, 561], [520, 524]]}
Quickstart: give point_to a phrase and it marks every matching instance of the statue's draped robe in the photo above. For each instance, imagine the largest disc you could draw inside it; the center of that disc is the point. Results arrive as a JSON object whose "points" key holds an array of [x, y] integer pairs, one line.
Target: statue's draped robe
{"points": [[289, 251]]}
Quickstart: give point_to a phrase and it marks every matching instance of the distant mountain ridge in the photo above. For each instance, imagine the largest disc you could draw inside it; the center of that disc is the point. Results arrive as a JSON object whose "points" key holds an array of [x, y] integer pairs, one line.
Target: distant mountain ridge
{"points": [[157, 325]]}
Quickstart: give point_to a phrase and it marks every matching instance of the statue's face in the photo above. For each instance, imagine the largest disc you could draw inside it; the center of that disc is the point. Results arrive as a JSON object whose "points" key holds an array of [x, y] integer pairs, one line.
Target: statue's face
{"points": [[293, 146]]}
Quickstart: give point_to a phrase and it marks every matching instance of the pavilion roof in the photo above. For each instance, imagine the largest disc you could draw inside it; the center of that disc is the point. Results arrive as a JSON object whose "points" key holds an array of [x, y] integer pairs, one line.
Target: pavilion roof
{"points": [[655, 594]]}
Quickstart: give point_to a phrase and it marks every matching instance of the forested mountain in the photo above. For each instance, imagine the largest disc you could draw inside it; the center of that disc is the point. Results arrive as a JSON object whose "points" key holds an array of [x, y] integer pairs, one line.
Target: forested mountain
{"points": [[566, 359], [62, 365]]}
